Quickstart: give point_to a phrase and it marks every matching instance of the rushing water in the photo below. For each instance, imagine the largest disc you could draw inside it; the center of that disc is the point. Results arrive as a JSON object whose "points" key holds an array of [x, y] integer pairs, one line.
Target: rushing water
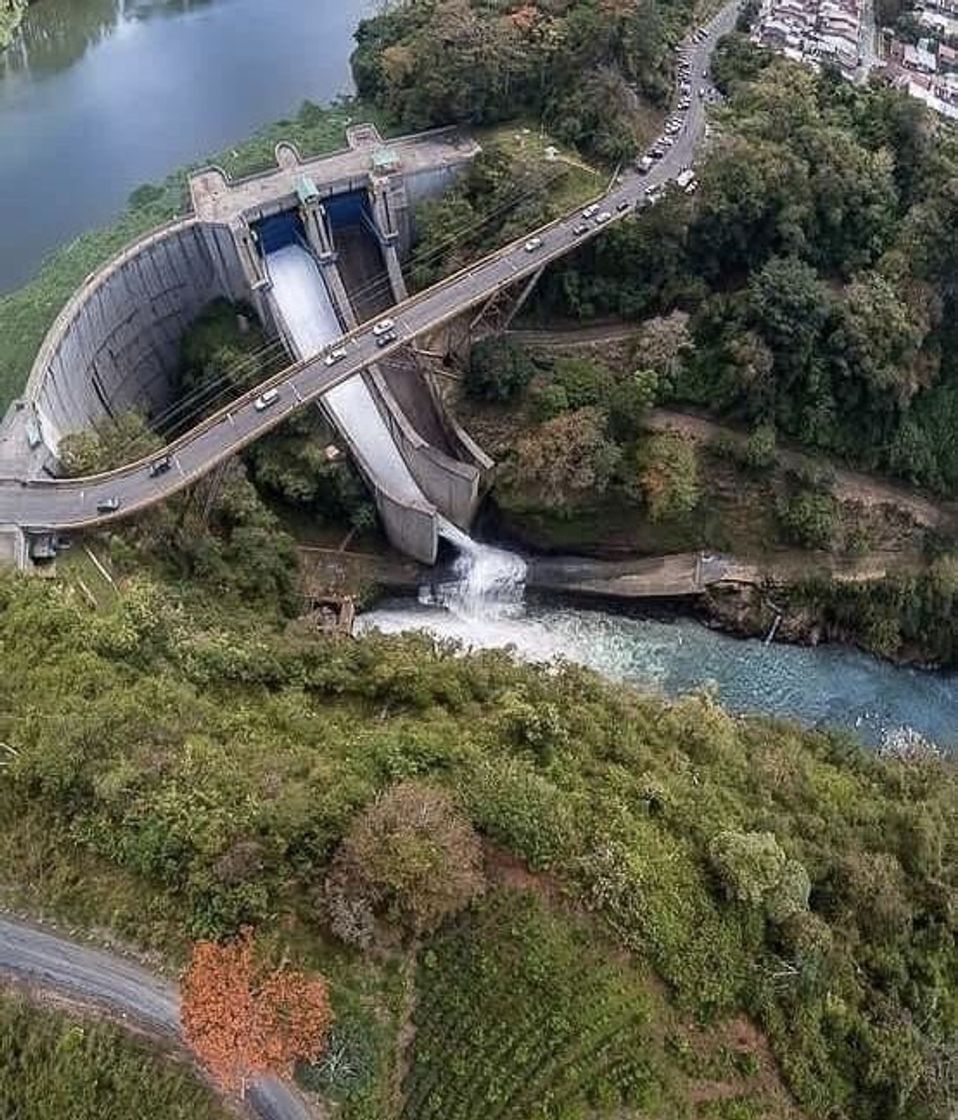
{"points": [[828, 686], [99, 96], [485, 584]]}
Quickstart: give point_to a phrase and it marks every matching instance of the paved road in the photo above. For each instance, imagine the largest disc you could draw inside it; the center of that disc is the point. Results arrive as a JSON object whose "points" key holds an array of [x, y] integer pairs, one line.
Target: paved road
{"points": [[92, 976], [66, 504]]}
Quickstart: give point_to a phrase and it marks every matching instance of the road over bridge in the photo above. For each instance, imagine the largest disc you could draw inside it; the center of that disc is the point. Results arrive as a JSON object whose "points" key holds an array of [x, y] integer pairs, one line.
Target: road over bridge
{"points": [[39, 504]]}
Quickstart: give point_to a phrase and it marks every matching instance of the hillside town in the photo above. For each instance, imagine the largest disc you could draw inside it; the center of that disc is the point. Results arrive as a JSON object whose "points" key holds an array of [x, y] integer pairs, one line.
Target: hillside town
{"points": [[843, 34]]}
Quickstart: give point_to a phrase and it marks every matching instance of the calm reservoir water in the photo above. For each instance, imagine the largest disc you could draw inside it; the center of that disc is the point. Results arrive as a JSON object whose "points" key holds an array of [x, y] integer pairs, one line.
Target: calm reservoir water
{"points": [[829, 685], [99, 96]]}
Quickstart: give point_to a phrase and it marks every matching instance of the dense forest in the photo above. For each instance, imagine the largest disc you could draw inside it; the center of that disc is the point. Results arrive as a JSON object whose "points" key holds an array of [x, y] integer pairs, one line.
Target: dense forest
{"points": [[579, 67], [818, 264], [175, 772]]}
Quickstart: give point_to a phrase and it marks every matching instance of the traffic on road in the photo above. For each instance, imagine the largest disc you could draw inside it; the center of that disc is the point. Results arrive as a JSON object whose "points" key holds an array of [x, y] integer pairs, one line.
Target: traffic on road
{"points": [[54, 504]]}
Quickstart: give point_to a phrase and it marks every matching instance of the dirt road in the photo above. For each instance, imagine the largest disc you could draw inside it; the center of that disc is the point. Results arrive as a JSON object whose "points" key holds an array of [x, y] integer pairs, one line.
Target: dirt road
{"points": [[125, 990]]}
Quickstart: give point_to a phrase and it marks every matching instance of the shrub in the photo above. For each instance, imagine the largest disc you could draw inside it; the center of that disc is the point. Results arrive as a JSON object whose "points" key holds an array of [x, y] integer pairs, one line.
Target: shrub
{"points": [[667, 475], [409, 861], [760, 450], [753, 869], [629, 402], [562, 460], [109, 443], [808, 519]]}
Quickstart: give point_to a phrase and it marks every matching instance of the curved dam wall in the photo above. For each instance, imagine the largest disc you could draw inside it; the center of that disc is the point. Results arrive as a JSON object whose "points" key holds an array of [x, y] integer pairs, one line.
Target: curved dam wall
{"points": [[116, 344]]}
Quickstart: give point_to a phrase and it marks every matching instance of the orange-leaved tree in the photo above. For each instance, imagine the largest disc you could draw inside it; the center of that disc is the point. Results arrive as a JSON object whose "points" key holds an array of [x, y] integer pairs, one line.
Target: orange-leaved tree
{"points": [[244, 1019]]}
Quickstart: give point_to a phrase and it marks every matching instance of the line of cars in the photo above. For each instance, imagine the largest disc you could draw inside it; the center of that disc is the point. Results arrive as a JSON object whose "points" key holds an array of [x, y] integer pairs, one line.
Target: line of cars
{"points": [[677, 120]]}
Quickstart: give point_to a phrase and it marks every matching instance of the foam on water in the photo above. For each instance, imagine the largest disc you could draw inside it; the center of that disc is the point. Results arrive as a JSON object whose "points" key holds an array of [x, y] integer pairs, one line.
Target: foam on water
{"points": [[485, 583], [829, 686]]}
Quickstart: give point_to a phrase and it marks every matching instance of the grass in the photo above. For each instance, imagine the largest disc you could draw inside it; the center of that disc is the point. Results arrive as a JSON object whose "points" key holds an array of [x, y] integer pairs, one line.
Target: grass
{"points": [[54, 1067], [27, 313], [525, 1011], [521, 139]]}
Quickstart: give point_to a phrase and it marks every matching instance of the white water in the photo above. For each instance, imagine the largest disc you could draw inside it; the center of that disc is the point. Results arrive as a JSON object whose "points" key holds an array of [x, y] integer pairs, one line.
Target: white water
{"points": [[303, 301], [485, 581], [832, 686], [485, 584]]}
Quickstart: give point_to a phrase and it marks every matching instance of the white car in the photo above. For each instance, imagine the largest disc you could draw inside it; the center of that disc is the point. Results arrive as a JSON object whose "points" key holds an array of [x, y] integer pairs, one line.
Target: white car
{"points": [[602, 217], [533, 243], [266, 400], [590, 211], [383, 326], [335, 356]]}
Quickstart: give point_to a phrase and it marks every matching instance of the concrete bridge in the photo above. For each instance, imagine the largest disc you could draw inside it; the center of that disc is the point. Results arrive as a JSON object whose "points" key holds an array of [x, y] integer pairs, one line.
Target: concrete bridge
{"points": [[213, 252]]}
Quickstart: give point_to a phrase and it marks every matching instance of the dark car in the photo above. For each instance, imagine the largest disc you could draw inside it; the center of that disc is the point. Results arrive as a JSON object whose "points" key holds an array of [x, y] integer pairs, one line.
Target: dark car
{"points": [[108, 505], [160, 466], [580, 229], [623, 205], [385, 339]]}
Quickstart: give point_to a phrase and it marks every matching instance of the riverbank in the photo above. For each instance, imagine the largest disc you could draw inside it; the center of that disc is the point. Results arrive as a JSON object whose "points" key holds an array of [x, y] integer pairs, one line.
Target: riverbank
{"points": [[797, 599]]}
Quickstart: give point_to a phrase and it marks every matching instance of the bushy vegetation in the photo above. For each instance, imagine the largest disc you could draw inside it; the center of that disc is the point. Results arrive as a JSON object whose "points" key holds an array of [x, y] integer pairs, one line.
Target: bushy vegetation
{"points": [[901, 616], [667, 475], [816, 265], [11, 13], [507, 190], [108, 444], [577, 65], [220, 767], [498, 370], [408, 862], [52, 1067]]}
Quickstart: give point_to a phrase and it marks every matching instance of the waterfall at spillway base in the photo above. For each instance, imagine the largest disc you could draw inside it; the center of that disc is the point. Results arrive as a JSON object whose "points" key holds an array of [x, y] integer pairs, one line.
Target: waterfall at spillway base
{"points": [[485, 582]]}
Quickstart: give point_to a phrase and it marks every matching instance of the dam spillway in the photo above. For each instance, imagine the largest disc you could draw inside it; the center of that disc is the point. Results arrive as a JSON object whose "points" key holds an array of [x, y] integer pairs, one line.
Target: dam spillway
{"points": [[304, 304]]}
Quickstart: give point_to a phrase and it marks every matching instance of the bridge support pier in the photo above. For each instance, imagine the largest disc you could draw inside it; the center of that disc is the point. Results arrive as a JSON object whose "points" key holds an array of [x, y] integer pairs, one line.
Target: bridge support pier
{"points": [[389, 242], [313, 216], [520, 300]]}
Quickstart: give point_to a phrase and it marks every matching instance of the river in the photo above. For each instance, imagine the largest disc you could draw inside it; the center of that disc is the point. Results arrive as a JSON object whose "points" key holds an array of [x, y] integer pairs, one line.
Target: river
{"points": [[830, 686], [99, 96]]}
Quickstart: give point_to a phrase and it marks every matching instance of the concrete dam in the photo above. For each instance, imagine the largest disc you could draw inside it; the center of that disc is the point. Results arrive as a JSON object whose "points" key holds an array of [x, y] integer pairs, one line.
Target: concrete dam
{"points": [[315, 247]]}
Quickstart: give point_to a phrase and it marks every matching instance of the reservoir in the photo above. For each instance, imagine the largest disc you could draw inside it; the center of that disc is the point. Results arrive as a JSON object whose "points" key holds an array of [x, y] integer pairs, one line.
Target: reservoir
{"points": [[100, 96]]}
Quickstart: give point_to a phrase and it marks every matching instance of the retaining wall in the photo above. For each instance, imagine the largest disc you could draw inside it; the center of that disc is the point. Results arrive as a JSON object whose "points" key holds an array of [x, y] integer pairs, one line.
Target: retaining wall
{"points": [[452, 486], [116, 345]]}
